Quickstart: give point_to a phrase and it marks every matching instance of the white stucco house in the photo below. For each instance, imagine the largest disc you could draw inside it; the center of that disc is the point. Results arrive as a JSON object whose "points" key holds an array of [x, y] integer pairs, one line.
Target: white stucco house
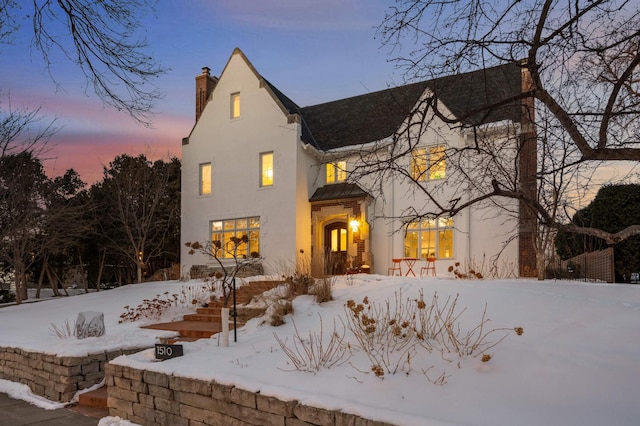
{"points": [[257, 164]]}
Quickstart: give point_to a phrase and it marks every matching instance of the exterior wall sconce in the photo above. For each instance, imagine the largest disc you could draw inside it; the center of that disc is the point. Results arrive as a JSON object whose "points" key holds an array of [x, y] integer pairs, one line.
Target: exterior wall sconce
{"points": [[354, 225]]}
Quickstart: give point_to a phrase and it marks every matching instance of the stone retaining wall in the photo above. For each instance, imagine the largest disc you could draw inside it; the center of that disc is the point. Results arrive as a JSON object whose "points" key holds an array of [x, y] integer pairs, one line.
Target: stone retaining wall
{"points": [[156, 399], [55, 378]]}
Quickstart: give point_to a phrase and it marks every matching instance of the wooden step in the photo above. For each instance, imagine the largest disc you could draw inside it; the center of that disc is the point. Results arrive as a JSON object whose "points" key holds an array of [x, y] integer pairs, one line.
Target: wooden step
{"points": [[203, 317], [199, 329], [207, 321], [96, 398], [208, 311], [92, 404], [181, 340]]}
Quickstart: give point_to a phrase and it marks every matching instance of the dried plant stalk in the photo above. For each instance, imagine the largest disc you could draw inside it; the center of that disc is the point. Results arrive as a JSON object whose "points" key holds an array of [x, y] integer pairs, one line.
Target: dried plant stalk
{"points": [[311, 354]]}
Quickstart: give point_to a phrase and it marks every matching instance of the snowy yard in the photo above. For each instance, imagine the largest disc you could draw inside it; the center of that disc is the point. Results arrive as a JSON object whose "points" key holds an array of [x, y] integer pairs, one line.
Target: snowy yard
{"points": [[577, 362]]}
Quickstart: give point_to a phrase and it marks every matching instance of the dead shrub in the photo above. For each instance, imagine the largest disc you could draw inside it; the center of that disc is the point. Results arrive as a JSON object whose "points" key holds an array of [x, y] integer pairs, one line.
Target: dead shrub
{"points": [[277, 311], [312, 353], [392, 333], [65, 331], [322, 289], [299, 284]]}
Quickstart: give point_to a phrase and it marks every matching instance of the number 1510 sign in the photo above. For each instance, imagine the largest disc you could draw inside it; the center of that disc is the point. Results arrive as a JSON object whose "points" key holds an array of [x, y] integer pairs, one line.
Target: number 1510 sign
{"points": [[168, 351]]}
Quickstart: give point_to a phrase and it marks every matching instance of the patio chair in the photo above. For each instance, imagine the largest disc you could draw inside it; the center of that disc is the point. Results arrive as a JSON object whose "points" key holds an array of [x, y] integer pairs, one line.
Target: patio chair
{"points": [[396, 265], [429, 266]]}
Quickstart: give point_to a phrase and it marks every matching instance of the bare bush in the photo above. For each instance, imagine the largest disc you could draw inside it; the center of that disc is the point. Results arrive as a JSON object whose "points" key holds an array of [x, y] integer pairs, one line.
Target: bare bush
{"points": [[194, 295], [65, 331], [155, 308], [393, 334], [299, 284], [277, 311], [314, 352], [322, 289], [468, 270]]}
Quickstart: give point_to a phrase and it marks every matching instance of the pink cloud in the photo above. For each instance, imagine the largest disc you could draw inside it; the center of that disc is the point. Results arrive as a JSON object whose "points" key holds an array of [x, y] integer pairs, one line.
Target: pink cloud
{"points": [[90, 135], [87, 152]]}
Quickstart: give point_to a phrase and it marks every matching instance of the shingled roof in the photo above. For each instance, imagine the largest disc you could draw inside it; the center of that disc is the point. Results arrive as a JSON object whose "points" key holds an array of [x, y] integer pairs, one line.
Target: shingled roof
{"points": [[377, 115], [338, 191]]}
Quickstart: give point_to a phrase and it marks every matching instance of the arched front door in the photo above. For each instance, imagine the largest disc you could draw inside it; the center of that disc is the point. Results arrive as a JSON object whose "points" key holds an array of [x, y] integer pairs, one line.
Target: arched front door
{"points": [[335, 247]]}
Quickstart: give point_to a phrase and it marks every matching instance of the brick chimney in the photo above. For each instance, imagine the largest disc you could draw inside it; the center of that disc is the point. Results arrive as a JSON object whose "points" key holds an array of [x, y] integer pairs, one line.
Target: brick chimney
{"points": [[205, 83], [528, 165]]}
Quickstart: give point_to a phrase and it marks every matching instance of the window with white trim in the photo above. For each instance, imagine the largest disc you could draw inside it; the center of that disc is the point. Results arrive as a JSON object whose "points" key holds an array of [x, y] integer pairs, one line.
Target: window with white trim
{"points": [[235, 105], [430, 238], [205, 179], [428, 163], [225, 230], [266, 169], [336, 171]]}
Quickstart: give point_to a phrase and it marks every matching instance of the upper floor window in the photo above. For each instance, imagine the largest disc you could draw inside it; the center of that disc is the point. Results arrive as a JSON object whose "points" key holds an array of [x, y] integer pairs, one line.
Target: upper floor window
{"points": [[437, 164], [336, 171], [428, 163], [430, 238], [266, 169], [205, 179], [235, 105]]}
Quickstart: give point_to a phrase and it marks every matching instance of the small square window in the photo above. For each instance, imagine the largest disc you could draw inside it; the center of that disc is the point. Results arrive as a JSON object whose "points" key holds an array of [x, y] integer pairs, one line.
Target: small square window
{"points": [[428, 164], [205, 179], [235, 105], [336, 171], [266, 169]]}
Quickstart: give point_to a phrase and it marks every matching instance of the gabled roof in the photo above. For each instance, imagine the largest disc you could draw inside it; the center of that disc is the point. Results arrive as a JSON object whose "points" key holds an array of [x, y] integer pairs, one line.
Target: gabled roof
{"points": [[286, 104], [472, 97], [377, 115], [338, 191]]}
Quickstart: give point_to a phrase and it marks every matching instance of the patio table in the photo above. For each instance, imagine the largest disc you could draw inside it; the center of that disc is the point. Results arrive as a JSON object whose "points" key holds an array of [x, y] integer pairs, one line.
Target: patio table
{"points": [[409, 261]]}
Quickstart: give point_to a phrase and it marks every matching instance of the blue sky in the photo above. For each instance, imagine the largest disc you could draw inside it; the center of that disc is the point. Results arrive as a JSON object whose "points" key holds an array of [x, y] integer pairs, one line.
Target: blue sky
{"points": [[313, 51]]}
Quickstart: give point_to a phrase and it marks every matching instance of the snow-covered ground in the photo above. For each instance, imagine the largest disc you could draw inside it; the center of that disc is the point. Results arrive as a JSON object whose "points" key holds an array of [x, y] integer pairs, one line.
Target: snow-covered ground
{"points": [[577, 362]]}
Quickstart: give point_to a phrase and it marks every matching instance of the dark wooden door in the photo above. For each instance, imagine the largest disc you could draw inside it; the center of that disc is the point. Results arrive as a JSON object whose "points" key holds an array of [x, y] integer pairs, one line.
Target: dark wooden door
{"points": [[335, 247]]}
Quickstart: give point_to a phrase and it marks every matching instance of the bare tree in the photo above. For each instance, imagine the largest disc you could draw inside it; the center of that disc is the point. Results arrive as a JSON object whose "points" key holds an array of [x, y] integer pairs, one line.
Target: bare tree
{"points": [[22, 130], [22, 184], [581, 62], [103, 38], [64, 226], [227, 271], [137, 207]]}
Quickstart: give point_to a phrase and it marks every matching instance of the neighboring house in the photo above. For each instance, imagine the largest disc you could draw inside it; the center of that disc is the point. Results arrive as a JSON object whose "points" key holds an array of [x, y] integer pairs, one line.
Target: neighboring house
{"points": [[257, 164]]}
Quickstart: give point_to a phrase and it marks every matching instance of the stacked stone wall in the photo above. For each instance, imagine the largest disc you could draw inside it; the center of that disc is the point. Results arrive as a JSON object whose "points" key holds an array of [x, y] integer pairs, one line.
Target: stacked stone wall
{"points": [[156, 399], [53, 377]]}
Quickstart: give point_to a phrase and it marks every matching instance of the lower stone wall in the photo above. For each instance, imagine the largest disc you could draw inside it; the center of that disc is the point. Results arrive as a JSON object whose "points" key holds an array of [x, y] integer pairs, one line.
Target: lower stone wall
{"points": [[56, 378], [156, 399]]}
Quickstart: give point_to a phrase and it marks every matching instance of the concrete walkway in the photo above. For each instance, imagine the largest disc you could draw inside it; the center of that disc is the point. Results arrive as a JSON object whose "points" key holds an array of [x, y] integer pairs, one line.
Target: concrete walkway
{"points": [[15, 412]]}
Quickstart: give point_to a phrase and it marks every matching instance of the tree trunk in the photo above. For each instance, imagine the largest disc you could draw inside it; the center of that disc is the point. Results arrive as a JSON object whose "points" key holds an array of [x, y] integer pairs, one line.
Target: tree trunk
{"points": [[40, 279], [52, 280], [20, 280], [101, 268], [84, 283]]}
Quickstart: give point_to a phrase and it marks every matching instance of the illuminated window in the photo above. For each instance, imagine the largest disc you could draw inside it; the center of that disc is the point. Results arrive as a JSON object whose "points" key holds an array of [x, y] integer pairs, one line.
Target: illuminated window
{"points": [[431, 166], [419, 164], [266, 169], [235, 105], [339, 239], [437, 164], [429, 237], [205, 179], [224, 230], [336, 171]]}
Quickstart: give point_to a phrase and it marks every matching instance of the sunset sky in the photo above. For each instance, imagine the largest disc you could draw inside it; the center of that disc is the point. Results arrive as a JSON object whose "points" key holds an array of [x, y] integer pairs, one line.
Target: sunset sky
{"points": [[313, 51]]}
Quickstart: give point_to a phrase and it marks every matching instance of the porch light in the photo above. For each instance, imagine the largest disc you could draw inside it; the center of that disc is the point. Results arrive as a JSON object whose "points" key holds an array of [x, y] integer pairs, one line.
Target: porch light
{"points": [[354, 224]]}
